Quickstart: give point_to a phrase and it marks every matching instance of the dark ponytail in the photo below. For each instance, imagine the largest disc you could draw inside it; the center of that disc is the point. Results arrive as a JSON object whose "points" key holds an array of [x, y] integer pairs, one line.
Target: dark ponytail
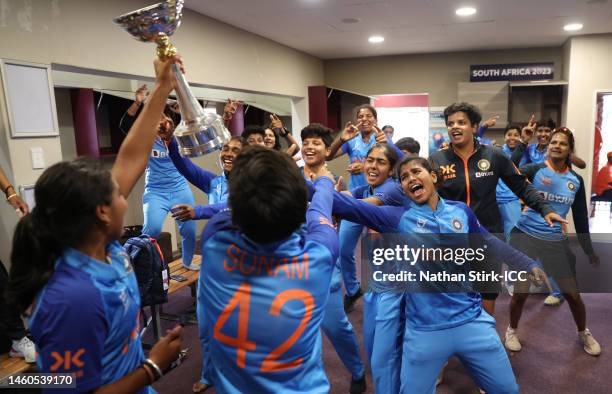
{"points": [[66, 195]]}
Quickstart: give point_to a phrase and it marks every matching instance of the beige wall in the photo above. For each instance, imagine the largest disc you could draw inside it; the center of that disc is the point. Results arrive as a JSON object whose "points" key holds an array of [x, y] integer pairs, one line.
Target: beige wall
{"points": [[80, 33], [436, 74], [589, 71]]}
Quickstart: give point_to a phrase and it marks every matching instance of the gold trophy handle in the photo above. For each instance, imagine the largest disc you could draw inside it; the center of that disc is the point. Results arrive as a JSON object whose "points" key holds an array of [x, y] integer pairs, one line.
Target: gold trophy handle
{"points": [[165, 49]]}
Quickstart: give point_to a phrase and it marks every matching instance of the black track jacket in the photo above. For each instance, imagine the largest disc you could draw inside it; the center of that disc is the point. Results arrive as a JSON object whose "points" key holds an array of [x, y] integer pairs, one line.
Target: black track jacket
{"points": [[474, 180]]}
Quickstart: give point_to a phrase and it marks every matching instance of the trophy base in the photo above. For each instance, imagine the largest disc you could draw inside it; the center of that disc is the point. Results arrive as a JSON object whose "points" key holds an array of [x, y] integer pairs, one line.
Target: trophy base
{"points": [[201, 150]]}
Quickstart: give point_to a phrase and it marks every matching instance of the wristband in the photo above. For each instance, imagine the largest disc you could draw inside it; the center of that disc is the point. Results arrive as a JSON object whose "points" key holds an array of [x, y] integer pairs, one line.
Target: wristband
{"points": [[149, 373], [158, 372], [11, 196], [8, 187]]}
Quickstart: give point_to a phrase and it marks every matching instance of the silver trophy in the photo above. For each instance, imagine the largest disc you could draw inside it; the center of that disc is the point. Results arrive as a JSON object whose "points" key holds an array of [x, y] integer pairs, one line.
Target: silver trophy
{"points": [[199, 133]]}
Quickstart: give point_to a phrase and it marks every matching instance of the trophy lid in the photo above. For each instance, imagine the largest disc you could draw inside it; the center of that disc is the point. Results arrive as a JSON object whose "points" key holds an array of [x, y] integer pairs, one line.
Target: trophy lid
{"points": [[146, 23]]}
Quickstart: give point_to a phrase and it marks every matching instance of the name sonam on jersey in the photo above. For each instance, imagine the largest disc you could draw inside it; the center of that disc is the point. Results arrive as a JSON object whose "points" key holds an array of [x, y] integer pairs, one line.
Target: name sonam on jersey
{"points": [[294, 267]]}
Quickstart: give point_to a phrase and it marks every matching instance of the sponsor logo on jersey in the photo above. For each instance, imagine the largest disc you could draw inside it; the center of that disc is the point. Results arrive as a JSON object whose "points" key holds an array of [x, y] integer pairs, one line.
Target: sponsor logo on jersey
{"points": [[158, 154], [448, 171], [571, 186], [558, 198], [546, 181], [483, 174], [67, 360], [457, 224], [484, 164]]}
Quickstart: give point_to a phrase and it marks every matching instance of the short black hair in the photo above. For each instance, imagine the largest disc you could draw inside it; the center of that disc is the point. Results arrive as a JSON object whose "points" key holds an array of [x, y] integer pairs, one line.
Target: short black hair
{"points": [[365, 106], [409, 144], [513, 126], [268, 194], [253, 129], [388, 126], [549, 123], [238, 138], [472, 112], [317, 130], [427, 164]]}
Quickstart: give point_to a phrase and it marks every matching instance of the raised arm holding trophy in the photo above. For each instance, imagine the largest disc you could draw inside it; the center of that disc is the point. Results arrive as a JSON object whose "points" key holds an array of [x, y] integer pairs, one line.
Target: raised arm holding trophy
{"points": [[199, 133]]}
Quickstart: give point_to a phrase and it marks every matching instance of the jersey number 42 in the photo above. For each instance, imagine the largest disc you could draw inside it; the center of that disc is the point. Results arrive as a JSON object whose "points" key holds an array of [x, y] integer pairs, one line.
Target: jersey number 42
{"points": [[242, 300]]}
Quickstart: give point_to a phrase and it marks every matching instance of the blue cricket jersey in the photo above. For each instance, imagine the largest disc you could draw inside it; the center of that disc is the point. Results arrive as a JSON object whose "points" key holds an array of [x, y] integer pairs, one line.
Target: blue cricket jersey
{"points": [[526, 154], [215, 186], [264, 303], [85, 319], [161, 174], [389, 192], [503, 193], [357, 151], [432, 311], [535, 155], [562, 190]]}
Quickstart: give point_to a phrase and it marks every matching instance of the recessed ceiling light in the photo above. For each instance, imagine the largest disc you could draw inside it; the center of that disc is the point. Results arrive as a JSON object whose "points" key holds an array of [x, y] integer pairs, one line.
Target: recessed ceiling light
{"points": [[465, 11], [572, 27], [376, 39]]}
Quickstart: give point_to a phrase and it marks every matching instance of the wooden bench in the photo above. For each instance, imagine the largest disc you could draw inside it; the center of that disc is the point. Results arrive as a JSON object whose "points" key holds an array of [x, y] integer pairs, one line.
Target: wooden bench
{"points": [[10, 366], [176, 268]]}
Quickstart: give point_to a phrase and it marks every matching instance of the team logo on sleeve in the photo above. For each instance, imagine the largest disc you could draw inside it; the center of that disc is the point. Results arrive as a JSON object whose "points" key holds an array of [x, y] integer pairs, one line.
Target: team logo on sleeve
{"points": [[484, 164], [571, 186], [457, 224], [421, 222]]}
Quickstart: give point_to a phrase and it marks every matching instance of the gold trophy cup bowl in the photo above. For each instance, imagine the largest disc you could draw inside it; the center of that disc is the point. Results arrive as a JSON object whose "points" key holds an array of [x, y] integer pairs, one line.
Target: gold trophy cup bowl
{"points": [[198, 133]]}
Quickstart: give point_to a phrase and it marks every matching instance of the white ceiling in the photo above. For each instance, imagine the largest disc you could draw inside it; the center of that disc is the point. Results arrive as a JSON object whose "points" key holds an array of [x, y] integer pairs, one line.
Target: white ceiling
{"points": [[409, 26]]}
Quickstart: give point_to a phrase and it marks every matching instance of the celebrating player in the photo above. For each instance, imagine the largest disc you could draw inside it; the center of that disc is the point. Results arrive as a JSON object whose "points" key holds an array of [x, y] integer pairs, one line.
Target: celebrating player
{"points": [[439, 325], [564, 188], [265, 299], [70, 272]]}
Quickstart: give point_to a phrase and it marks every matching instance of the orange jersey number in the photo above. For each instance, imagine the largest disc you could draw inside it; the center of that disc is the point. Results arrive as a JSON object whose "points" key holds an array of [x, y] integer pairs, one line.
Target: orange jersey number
{"points": [[241, 300]]}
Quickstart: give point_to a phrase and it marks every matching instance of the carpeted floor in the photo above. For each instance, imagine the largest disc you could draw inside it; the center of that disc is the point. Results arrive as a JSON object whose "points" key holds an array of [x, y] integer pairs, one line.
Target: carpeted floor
{"points": [[552, 360]]}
